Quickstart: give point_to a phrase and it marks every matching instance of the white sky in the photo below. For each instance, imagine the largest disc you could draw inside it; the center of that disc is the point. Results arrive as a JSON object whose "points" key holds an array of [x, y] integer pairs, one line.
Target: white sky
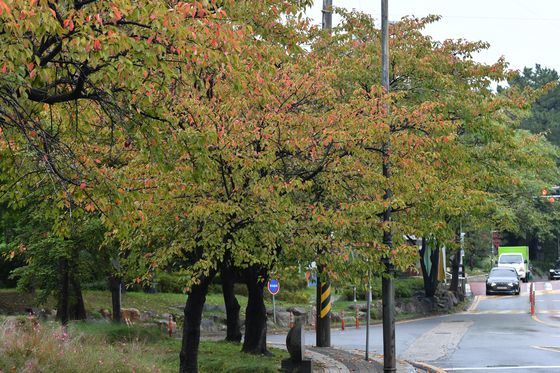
{"points": [[525, 32]]}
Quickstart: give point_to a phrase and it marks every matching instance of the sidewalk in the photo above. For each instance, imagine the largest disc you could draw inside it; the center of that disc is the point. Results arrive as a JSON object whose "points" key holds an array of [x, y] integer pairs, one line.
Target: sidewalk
{"points": [[333, 360]]}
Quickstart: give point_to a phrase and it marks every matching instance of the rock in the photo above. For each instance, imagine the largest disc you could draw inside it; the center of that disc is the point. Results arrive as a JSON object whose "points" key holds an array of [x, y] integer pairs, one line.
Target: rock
{"points": [[282, 318], [297, 311], [214, 308], [147, 315], [360, 306], [208, 326], [295, 343], [336, 316]]}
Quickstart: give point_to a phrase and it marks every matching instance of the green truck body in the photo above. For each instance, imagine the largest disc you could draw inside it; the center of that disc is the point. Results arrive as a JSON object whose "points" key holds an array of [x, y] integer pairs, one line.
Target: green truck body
{"points": [[523, 250]]}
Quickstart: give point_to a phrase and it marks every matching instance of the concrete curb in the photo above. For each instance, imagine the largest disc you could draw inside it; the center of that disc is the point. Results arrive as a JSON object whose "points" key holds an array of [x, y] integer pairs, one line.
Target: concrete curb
{"points": [[426, 367]]}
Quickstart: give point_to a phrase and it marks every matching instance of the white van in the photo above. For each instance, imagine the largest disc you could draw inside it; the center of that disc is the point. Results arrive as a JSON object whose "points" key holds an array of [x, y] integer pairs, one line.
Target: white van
{"points": [[513, 260]]}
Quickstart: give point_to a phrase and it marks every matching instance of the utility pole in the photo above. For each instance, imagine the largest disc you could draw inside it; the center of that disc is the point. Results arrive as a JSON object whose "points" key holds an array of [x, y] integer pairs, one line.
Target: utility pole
{"points": [[327, 14], [387, 284], [323, 325]]}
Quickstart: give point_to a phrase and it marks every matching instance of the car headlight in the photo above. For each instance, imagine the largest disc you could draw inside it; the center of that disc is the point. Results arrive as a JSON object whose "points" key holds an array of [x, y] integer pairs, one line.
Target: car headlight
{"points": [[510, 284], [551, 271], [493, 284]]}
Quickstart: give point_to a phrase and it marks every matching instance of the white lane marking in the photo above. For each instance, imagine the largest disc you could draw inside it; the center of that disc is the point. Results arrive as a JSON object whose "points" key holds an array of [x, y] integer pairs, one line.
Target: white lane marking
{"points": [[526, 367]]}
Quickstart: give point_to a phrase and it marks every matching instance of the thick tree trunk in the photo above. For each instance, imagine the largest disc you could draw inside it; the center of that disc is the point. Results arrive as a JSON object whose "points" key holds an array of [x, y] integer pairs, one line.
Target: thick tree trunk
{"points": [[231, 303], [76, 307], [188, 356], [115, 284], [454, 286], [255, 320], [64, 295], [430, 277]]}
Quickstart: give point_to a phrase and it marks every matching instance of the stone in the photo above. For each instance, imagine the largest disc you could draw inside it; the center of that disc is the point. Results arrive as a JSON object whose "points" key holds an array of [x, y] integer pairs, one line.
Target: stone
{"points": [[295, 343], [208, 325], [214, 308], [282, 318], [297, 311]]}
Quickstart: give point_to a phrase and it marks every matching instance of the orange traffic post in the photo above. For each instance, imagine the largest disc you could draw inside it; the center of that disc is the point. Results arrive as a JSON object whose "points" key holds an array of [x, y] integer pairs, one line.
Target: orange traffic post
{"points": [[170, 325], [342, 320], [357, 319]]}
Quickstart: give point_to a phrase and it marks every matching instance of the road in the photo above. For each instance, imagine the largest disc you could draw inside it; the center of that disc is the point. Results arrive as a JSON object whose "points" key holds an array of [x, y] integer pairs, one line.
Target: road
{"points": [[496, 334]]}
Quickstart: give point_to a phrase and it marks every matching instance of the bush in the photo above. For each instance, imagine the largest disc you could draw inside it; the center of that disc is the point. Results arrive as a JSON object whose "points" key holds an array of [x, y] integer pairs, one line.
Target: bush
{"points": [[404, 288], [297, 297], [170, 283], [96, 285]]}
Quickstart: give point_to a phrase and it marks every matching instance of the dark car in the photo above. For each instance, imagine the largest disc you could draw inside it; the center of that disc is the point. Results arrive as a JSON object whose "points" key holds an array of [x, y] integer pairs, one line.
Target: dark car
{"points": [[554, 273], [502, 281]]}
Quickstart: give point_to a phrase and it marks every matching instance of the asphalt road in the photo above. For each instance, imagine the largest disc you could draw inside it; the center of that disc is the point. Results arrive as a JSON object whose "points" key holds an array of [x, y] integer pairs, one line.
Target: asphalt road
{"points": [[496, 334]]}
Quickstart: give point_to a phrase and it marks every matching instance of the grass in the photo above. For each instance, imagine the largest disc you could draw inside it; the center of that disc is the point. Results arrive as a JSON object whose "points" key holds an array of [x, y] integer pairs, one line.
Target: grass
{"points": [[105, 348]]}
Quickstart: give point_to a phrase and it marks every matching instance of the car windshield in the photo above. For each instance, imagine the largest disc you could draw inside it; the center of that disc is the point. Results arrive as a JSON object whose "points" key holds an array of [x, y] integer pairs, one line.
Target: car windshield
{"points": [[511, 259], [503, 272]]}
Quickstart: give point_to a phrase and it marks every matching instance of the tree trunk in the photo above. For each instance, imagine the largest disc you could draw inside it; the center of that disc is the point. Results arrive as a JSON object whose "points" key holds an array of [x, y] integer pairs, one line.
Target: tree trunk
{"points": [[64, 295], [188, 356], [255, 320], [76, 307], [115, 284], [231, 303], [454, 286], [430, 276]]}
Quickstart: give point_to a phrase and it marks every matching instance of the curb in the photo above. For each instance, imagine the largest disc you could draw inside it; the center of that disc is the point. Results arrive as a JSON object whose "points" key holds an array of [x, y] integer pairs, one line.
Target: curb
{"points": [[426, 367]]}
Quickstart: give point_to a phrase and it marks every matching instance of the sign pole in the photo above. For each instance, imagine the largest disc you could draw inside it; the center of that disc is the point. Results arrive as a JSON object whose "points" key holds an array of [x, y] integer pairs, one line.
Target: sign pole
{"points": [[273, 309]]}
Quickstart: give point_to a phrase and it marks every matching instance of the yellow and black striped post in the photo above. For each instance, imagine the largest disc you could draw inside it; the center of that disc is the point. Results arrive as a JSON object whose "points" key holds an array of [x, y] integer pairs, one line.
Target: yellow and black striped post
{"points": [[323, 312]]}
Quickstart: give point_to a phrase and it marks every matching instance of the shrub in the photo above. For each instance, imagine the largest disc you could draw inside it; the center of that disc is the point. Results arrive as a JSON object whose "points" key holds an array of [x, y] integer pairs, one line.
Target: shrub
{"points": [[297, 297], [404, 288], [170, 282]]}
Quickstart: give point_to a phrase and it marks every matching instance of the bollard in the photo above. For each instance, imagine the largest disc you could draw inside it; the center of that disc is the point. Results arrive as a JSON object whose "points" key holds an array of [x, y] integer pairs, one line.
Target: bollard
{"points": [[357, 319], [170, 326], [533, 301], [342, 320]]}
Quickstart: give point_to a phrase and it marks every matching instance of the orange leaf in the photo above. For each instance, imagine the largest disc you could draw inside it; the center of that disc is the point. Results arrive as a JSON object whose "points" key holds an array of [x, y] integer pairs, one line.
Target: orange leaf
{"points": [[4, 8]]}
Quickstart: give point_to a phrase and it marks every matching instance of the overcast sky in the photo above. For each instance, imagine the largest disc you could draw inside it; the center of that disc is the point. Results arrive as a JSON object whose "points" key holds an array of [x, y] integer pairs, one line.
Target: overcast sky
{"points": [[525, 32]]}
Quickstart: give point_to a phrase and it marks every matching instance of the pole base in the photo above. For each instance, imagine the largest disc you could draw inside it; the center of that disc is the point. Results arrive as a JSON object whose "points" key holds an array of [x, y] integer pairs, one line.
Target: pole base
{"points": [[290, 366]]}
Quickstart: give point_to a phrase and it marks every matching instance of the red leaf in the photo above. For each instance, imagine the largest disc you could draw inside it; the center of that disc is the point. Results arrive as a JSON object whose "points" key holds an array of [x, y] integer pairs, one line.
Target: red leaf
{"points": [[83, 185], [96, 44], [118, 14], [4, 69], [69, 24], [4, 7]]}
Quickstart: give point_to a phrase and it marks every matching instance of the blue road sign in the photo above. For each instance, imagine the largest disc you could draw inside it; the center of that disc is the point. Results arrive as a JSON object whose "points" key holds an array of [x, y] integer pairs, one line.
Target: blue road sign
{"points": [[274, 286]]}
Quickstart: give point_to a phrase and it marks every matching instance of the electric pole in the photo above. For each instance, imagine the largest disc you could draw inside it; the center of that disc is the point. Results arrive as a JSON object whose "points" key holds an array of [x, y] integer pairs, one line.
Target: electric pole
{"points": [[387, 285], [323, 325]]}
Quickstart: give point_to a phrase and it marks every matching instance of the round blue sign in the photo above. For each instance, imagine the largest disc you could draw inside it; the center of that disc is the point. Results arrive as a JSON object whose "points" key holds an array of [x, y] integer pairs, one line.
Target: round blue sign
{"points": [[274, 286]]}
